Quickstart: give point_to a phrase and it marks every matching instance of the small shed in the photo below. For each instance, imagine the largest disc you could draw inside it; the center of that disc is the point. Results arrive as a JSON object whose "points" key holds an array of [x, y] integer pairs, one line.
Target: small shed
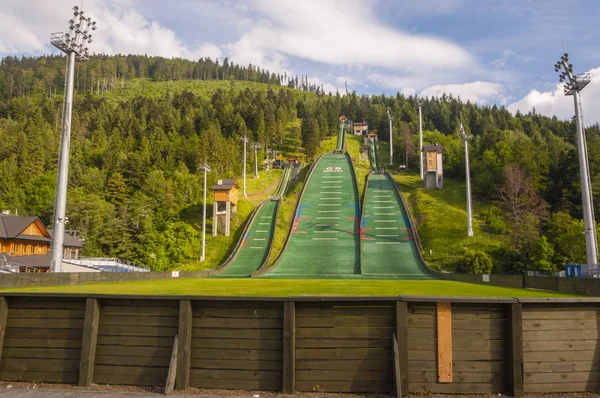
{"points": [[360, 128], [432, 166], [292, 160], [225, 199]]}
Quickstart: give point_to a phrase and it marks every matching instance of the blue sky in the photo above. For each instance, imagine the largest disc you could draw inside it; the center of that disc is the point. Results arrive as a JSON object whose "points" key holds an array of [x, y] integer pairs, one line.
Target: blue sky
{"points": [[490, 52]]}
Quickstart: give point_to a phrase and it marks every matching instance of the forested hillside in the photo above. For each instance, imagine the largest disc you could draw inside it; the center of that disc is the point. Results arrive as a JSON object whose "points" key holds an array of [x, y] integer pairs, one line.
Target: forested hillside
{"points": [[141, 126]]}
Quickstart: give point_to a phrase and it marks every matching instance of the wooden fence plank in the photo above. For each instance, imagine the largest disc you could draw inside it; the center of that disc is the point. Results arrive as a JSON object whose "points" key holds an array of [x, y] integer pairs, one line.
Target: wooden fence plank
{"points": [[515, 315], [170, 384], [289, 347], [345, 364], [270, 334], [403, 343], [342, 375], [560, 324], [552, 367], [344, 333], [557, 335], [397, 376], [237, 323], [342, 353], [351, 343], [564, 345], [444, 339], [345, 321], [88, 343], [184, 355], [226, 364], [3, 319]]}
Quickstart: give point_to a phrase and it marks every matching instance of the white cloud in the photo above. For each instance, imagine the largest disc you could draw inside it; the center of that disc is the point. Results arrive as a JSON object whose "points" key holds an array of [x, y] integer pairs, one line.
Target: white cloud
{"points": [[121, 29], [555, 103], [339, 33], [477, 92], [507, 55]]}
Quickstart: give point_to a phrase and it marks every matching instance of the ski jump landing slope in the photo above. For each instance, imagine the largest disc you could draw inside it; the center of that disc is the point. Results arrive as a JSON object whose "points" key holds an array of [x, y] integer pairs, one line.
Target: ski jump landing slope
{"points": [[255, 244], [324, 240], [388, 249]]}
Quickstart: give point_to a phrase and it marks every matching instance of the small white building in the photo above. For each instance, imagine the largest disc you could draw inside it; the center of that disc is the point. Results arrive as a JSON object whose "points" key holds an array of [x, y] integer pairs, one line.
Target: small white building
{"points": [[433, 174]]}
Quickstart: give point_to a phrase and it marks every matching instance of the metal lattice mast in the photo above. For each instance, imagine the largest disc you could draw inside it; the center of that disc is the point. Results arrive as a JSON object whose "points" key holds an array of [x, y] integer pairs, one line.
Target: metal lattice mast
{"points": [[573, 86], [74, 45]]}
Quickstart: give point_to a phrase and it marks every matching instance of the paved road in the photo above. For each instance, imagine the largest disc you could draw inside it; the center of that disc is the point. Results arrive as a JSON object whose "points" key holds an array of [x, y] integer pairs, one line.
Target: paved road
{"points": [[17, 393]]}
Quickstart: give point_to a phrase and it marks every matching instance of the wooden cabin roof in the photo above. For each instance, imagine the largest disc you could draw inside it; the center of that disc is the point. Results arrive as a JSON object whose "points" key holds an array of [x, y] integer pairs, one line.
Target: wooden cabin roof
{"points": [[432, 148], [12, 227], [226, 185]]}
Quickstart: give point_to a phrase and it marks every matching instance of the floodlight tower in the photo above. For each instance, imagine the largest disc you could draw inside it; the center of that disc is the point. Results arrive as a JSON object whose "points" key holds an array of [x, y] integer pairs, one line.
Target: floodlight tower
{"points": [[255, 146], [420, 103], [74, 44], [574, 84], [468, 176], [206, 169], [245, 141], [390, 118]]}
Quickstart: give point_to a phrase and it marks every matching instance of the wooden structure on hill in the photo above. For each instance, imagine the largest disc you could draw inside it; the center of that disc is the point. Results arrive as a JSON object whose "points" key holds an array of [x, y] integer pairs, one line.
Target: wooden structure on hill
{"points": [[432, 166], [225, 199]]}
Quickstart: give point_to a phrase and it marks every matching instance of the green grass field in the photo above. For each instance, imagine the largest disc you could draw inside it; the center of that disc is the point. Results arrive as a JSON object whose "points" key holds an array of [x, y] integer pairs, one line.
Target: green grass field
{"points": [[292, 287], [441, 217]]}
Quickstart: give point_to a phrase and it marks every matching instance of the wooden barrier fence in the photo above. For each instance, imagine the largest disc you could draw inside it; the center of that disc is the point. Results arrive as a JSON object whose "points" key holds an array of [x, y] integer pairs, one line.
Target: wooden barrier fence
{"points": [[329, 344]]}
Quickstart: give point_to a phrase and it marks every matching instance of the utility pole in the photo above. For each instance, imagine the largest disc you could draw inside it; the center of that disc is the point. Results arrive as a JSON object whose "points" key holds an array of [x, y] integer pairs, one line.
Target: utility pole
{"points": [[206, 169], [255, 146], [420, 138], [74, 45], [391, 142], [245, 141], [468, 177], [573, 87]]}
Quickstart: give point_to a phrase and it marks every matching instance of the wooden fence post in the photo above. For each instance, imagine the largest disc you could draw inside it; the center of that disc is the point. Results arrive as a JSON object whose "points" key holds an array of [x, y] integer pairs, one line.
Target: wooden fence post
{"points": [[88, 343], [402, 337], [289, 347], [515, 317], [444, 342], [184, 351], [3, 318]]}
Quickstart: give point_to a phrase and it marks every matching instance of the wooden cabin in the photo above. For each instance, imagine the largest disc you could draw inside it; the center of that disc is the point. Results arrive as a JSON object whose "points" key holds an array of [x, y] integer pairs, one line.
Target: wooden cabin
{"points": [[292, 160], [226, 191], [225, 199], [360, 128], [27, 242], [433, 172], [23, 236]]}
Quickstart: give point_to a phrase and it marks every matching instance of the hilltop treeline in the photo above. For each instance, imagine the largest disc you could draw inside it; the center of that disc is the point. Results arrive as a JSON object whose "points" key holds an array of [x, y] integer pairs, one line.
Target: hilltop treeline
{"points": [[134, 162], [46, 75]]}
